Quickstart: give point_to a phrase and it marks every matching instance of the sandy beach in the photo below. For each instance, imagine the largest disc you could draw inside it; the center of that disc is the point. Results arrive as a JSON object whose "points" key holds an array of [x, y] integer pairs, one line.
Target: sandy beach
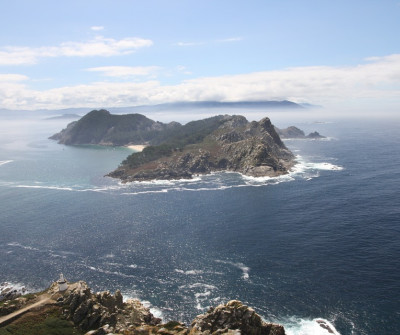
{"points": [[137, 147]]}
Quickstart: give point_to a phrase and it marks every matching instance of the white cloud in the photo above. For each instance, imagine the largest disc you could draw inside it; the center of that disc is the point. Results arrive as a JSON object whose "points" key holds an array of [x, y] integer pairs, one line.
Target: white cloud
{"points": [[231, 39], [99, 46], [97, 28], [12, 77], [188, 44], [375, 82], [224, 40], [126, 71]]}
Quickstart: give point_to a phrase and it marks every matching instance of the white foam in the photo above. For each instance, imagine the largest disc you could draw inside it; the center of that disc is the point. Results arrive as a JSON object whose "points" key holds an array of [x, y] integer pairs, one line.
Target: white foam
{"points": [[190, 272], [5, 162], [27, 247], [198, 285], [245, 269], [304, 167], [202, 295], [166, 182], [116, 273], [154, 310], [318, 326], [18, 288]]}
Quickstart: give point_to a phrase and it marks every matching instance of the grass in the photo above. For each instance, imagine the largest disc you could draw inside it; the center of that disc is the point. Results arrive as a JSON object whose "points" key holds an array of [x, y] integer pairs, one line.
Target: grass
{"points": [[48, 322]]}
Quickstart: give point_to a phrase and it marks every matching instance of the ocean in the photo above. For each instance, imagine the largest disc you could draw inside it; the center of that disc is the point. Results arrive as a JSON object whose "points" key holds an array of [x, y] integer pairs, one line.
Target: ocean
{"points": [[319, 243]]}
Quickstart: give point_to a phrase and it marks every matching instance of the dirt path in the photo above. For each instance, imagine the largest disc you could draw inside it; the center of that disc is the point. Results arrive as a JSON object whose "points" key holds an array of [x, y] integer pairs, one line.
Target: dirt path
{"points": [[43, 300]]}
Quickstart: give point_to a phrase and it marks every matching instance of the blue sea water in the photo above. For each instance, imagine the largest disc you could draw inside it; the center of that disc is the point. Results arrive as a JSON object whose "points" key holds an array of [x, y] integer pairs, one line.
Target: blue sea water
{"points": [[319, 243]]}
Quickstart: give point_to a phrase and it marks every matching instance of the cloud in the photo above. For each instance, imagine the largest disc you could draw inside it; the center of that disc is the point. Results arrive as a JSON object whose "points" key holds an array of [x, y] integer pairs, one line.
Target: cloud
{"points": [[12, 77], [126, 71], [97, 28], [375, 82], [188, 44], [225, 40], [99, 46], [231, 39]]}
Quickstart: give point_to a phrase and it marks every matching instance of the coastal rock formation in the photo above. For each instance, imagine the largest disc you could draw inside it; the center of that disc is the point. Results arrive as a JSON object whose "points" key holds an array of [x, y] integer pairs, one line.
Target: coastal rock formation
{"points": [[233, 318], [294, 132], [104, 313], [89, 310]]}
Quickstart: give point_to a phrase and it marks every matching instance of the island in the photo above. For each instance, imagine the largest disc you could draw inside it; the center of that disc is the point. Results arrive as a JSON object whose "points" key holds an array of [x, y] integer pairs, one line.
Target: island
{"points": [[294, 132], [175, 151], [72, 308]]}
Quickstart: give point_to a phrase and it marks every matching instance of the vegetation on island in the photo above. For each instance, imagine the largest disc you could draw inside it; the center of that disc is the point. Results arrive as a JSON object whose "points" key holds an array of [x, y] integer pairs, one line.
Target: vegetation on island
{"points": [[175, 151]]}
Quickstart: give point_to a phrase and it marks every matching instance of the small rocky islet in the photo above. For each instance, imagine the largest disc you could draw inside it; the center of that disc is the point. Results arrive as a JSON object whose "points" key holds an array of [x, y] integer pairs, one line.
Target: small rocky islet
{"points": [[175, 151], [81, 311]]}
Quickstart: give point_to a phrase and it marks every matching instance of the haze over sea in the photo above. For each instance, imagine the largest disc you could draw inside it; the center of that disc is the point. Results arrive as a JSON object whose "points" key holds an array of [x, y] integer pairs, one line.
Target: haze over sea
{"points": [[320, 243]]}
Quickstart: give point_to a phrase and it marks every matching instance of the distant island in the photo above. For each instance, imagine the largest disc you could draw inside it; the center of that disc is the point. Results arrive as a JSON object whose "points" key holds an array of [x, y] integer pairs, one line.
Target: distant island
{"points": [[294, 132], [175, 151], [72, 308]]}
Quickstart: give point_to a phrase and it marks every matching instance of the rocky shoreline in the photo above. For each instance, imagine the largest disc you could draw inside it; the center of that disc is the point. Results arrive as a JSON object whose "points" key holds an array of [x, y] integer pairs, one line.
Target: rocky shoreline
{"points": [[104, 313]]}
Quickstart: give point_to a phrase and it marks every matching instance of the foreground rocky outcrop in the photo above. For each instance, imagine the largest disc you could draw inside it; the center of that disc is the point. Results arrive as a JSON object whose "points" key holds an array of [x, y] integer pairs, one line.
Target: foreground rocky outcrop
{"points": [[104, 313], [233, 318]]}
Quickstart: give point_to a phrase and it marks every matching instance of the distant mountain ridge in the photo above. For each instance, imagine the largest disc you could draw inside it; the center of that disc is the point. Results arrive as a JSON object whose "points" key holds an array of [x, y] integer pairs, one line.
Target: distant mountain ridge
{"points": [[179, 105]]}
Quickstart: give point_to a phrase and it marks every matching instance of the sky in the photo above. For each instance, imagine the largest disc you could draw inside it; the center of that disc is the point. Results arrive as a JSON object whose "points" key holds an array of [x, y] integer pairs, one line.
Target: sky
{"points": [[343, 55]]}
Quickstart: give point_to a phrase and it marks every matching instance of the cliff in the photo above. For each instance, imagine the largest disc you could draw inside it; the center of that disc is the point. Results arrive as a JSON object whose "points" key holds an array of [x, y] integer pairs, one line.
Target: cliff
{"points": [[77, 310], [232, 144]]}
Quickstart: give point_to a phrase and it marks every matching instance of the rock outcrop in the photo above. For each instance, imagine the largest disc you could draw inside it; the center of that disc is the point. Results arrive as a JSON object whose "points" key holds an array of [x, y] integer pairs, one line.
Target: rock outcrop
{"points": [[294, 132], [103, 310], [233, 318], [104, 313]]}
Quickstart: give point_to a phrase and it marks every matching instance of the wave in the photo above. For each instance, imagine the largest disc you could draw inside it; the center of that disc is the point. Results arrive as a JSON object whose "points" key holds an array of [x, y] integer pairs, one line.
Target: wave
{"points": [[245, 269], [326, 139], [16, 288], [317, 326], [197, 285], [190, 272], [308, 170], [27, 247], [157, 312], [217, 181], [116, 273], [5, 162]]}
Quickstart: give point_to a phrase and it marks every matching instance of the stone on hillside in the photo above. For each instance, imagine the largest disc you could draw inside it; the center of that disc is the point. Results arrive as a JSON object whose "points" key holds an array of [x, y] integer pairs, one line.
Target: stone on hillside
{"points": [[233, 318]]}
